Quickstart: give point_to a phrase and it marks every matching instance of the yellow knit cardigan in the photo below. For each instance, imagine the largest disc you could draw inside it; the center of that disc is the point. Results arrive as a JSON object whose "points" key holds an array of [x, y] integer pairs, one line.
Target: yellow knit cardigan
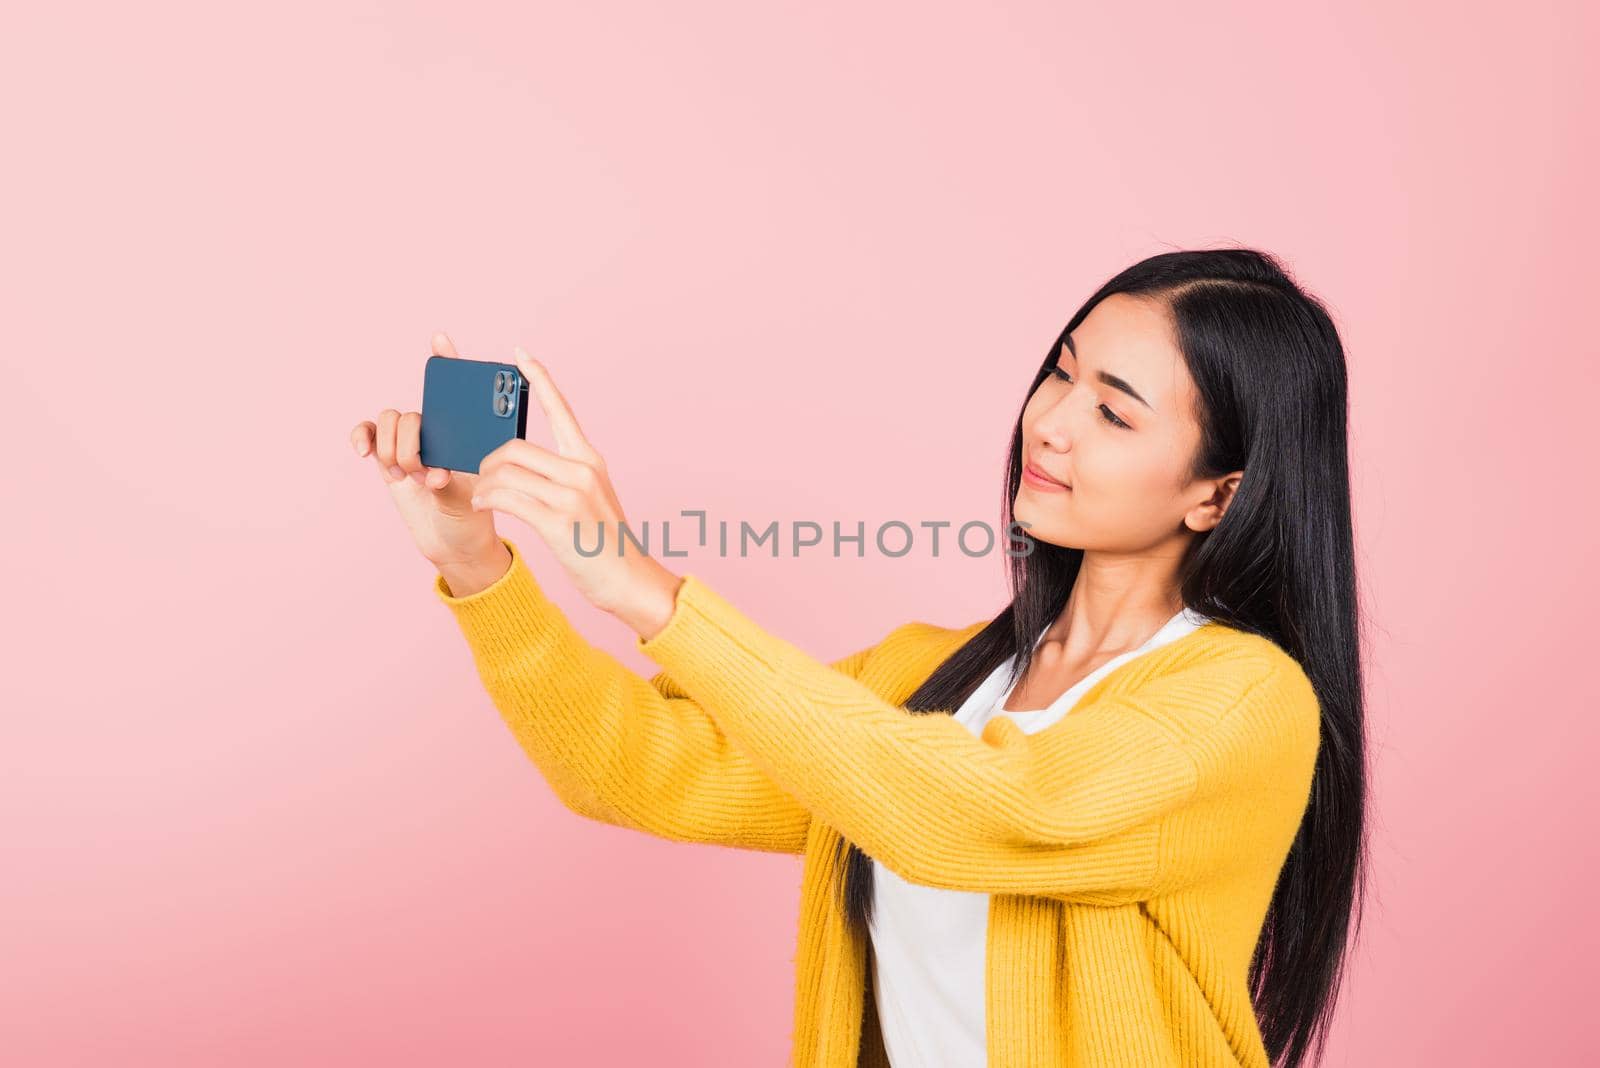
{"points": [[1131, 848]]}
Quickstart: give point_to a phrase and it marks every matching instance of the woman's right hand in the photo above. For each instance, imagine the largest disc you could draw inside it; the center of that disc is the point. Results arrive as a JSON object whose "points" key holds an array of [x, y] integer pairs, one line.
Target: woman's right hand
{"points": [[434, 502]]}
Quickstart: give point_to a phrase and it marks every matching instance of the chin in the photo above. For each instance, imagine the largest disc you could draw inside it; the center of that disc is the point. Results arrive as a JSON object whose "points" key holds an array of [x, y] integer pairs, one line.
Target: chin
{"points": [[1044, 528]]}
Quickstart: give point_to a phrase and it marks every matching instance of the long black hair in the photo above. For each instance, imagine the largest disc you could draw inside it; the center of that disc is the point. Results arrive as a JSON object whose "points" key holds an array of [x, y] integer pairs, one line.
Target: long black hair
{"points": [[1270, 376]]}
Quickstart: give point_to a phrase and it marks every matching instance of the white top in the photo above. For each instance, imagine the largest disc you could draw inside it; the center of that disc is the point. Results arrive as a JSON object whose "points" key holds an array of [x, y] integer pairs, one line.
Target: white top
{"points": [[928, 944]]}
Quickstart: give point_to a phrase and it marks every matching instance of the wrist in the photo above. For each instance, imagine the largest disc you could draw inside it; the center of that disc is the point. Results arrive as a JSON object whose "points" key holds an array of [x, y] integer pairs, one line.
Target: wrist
{"points": [[653, 603], [476, 573]]}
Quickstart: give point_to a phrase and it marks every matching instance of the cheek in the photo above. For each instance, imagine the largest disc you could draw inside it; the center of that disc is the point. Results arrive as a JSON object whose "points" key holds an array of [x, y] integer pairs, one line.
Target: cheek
{"points": [[1121, 475]]}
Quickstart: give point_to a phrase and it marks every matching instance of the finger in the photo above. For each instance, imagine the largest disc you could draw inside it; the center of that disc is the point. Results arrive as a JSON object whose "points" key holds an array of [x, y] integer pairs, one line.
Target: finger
{"points": [[388, 420], [361, 437], [564, 499], [519, 452], [531, 511], [570, 440], [408, 444], [442, 345], [386, 470]]}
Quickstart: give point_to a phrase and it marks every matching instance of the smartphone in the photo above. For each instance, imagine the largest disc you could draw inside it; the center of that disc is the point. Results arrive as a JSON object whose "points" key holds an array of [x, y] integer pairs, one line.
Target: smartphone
{"points": [[469, 409]]}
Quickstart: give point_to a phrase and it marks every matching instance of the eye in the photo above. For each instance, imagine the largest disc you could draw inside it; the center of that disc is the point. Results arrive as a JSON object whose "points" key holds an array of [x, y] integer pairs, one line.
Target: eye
{"points": [[1105, 413], [1111, 417]]}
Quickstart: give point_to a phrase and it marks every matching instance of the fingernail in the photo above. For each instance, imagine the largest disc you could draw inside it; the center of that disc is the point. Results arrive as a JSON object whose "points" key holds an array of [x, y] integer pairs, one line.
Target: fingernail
{"points": [[394, 469], [418, 477], [477, 502]]}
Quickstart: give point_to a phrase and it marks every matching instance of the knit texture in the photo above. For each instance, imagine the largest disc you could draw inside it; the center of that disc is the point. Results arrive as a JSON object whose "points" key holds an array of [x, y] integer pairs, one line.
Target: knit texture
{"points": [[1130, 849]]}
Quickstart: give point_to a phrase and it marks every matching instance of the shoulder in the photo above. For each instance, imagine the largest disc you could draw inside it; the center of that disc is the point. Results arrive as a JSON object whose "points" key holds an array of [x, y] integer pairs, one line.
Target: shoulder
{"points": [[1262, 663], [924, 639], [1219, 651], [911, 651], [1260, 696]]}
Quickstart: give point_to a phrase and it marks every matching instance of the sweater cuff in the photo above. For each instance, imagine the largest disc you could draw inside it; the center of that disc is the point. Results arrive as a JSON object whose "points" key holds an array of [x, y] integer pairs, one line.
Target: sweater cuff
{"points": [[509, 615]]}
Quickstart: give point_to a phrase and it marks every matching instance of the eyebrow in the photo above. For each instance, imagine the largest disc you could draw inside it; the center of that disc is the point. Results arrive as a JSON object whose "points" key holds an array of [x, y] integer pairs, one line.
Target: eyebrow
{"points": [[1110, 379]]}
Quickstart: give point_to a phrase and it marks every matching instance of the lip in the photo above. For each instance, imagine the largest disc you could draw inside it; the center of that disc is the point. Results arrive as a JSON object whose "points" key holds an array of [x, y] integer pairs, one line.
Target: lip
{"points": [[1036, 477]]}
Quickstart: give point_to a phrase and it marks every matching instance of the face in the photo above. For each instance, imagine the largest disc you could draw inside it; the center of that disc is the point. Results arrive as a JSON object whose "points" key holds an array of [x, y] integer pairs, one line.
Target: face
{"points": [[1115, 422]]}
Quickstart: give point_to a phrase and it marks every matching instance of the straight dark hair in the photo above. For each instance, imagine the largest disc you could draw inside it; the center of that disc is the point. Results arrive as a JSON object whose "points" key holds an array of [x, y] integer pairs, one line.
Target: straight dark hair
{"points": [[1270, 376]]}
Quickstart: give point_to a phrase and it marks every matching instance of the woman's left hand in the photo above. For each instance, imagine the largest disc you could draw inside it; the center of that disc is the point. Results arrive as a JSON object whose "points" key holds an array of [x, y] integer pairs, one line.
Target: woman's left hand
{"points": [[566, 494]]}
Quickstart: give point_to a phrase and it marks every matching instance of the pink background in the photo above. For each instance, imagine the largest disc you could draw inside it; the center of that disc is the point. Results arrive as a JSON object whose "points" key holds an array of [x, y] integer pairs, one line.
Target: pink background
{"points": [[789, 263]]}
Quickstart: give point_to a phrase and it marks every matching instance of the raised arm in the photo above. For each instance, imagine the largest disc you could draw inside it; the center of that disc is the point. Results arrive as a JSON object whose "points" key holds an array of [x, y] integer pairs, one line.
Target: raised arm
{"points": [[1224, 743], [614, 746]]}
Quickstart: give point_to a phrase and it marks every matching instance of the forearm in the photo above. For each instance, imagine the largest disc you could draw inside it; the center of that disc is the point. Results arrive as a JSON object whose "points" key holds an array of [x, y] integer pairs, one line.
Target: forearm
{"points": [[614, 746]]}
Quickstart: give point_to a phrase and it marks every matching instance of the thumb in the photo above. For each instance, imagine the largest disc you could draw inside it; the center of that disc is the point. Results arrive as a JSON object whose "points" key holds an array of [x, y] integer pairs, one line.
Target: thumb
{"points": [[448, 483], [443, 346], [454, 498]]}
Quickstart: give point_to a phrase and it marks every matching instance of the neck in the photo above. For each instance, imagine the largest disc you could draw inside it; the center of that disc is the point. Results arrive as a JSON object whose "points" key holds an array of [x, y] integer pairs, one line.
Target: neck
{"points": [[1117, 602]]}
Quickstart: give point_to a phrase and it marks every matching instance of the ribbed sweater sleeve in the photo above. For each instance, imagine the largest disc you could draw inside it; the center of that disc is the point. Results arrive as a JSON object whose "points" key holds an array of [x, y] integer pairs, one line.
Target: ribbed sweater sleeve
{"points": [[614, 746], [1075, 811]]}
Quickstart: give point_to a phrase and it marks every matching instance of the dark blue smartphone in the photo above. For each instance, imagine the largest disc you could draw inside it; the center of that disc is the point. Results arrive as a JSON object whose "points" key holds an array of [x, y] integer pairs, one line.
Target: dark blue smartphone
{"points": [[469, 409]]}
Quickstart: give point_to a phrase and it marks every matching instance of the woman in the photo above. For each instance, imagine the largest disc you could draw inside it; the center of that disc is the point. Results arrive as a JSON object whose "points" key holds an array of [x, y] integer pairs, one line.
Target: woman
{"points": [[1122, 822]]}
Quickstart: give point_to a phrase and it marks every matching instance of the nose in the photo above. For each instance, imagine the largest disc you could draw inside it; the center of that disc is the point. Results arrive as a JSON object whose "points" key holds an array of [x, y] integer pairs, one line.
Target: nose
{"points": [[1054, 425], [1052, 432]]}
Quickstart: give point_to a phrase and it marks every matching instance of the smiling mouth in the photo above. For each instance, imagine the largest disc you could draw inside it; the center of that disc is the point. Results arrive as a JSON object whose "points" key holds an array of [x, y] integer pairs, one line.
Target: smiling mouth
{"points": [[1040, 476]]}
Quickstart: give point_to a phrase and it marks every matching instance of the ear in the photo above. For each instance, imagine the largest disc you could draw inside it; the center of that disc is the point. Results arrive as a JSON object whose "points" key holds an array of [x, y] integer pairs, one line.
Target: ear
{"points": [[1206, 515]]}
